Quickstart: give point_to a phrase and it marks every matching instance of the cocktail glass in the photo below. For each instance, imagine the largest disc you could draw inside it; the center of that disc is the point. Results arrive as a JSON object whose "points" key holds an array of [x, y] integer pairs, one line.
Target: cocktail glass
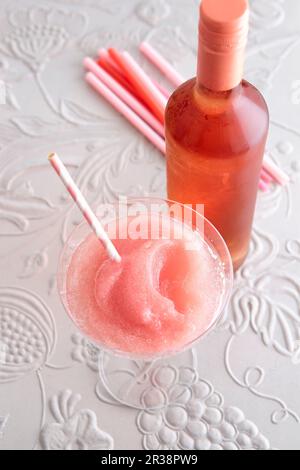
{"points": [[106, 215]]}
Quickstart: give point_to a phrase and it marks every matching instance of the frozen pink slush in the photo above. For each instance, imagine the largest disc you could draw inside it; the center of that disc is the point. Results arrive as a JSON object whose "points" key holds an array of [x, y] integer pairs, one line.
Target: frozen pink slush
{"points": [[163, 295]]}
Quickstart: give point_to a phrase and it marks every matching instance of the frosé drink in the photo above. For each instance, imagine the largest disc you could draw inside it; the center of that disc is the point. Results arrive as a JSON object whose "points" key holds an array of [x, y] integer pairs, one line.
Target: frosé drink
{"points": [[168, 290]]}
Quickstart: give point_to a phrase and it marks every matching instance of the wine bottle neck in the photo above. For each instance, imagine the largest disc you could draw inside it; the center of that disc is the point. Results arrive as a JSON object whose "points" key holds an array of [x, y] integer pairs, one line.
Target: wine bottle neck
{"points": [[222, 43]]}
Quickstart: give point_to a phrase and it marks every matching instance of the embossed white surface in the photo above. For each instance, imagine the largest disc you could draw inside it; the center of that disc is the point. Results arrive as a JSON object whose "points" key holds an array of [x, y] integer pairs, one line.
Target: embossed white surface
{"points": [[240, 388]]}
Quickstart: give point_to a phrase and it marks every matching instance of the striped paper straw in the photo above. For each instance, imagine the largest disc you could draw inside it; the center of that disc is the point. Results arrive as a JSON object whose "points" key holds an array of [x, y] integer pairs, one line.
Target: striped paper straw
{"points": [[84, 207]]}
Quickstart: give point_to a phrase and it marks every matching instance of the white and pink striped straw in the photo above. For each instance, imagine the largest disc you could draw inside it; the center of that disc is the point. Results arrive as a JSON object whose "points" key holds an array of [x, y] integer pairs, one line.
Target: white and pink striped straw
{"points": [[84, 207]]}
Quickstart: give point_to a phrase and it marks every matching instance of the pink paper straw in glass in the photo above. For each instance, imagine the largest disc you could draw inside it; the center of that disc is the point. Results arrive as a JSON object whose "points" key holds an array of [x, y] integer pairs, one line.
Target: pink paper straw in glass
{"points": [[142, 83], [84, 207], [160, 62], [130, 115], [124, 95]]}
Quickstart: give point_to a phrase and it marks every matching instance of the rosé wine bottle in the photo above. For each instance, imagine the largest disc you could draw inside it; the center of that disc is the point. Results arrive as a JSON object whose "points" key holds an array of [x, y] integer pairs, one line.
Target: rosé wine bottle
{"points": [[216, 128]]}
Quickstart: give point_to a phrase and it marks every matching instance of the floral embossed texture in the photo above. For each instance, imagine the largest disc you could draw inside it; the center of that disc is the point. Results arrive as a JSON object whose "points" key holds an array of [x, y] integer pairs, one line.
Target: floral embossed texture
{"points": [[40, 33], [49, 107], [19, 207], [27, 333], [266, 300], [85, 352], [153, 11], [73, 430], [266, 14], [185, 412], [257, 303]]}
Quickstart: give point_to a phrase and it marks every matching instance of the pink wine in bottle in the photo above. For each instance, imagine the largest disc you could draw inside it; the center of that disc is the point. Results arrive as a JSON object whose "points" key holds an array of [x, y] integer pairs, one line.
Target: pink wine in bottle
{"points": [[216, 128]]}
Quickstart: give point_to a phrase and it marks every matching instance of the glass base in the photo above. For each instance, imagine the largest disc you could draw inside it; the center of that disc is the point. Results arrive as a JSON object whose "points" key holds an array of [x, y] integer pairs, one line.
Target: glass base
{"points": [[143, 385]]}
